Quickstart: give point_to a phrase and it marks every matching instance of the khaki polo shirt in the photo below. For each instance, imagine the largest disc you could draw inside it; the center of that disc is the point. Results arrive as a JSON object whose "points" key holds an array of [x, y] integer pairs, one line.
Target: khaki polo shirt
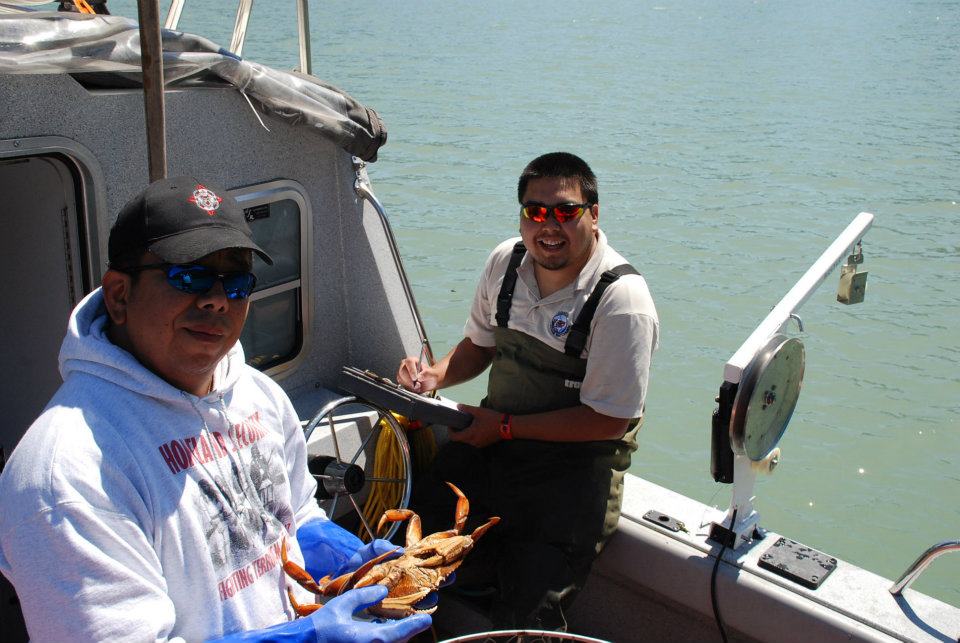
{"points": [[623, 335]]}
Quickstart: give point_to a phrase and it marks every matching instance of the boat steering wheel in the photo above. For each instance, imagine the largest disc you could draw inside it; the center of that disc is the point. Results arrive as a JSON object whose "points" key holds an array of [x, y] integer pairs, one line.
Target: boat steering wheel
{"points": [[353, 430]]}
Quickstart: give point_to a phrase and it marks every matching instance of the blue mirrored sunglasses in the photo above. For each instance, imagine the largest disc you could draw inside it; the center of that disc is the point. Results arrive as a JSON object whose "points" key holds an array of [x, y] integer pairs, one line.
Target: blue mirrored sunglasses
{"points": [[196, 280]]}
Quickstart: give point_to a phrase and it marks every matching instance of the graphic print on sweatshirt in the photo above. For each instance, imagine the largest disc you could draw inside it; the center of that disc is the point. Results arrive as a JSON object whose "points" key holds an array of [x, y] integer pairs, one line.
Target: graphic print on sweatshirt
{"points": [[243, 516]]}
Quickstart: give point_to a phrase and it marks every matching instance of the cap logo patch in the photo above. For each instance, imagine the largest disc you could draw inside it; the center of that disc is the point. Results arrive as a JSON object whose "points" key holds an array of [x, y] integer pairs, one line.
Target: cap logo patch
{"points": [[205, 199]]}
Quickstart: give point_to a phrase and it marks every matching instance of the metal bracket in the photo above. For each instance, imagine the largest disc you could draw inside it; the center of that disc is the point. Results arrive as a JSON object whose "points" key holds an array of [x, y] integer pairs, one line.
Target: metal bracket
{"points": [[665, 521], [798, 563], [361, 186], [853, 284]]}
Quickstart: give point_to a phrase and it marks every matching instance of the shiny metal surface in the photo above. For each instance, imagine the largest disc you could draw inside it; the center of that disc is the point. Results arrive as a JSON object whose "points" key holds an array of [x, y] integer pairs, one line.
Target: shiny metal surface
{"points": [[767, 397], [367, 447], [362, 187], [921, 563]]}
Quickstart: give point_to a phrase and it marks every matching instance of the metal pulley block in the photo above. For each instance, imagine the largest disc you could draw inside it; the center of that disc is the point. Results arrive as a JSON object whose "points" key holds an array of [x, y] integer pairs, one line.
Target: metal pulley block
{"points": [[853, 284]]}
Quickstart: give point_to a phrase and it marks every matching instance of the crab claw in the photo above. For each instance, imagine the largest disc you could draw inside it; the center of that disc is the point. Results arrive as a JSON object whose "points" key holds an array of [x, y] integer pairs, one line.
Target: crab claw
{"points": [[463, 508], [482, 529], [414, 530]]}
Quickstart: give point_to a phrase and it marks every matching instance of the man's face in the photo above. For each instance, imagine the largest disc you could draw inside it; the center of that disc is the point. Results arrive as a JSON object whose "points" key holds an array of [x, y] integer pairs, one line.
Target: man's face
{"points": [[553, 245], [179, 336]]}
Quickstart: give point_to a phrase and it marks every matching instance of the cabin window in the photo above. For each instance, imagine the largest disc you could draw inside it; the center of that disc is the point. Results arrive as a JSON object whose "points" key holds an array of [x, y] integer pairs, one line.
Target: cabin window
{"points": [[273, 336]]}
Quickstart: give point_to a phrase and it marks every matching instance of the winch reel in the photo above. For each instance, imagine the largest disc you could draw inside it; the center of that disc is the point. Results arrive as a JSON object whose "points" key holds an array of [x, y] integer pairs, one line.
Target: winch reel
{"points": [[761, 385], [766, 398], [352, 436], [751, 419]]}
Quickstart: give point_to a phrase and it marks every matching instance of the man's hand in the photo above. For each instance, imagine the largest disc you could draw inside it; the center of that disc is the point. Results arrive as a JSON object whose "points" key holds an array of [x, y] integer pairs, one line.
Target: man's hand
{"points": [[464, 362], [417, 377], [330, 550], [335, 622], [483, 431], [368, 552]]}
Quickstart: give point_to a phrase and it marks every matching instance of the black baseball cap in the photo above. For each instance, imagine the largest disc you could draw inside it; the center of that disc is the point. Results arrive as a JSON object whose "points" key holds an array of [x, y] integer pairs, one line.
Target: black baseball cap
{"points": [[180, 220]]}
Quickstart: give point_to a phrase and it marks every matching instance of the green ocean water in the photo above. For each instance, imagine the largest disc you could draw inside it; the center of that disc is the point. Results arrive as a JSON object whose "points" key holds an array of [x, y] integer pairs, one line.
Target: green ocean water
{"points": [[733, 141]]}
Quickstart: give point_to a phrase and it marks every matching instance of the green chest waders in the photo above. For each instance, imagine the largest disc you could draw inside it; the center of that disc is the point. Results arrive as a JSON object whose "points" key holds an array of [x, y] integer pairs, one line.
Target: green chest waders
{"points": [[559, 501], [566, 492]]}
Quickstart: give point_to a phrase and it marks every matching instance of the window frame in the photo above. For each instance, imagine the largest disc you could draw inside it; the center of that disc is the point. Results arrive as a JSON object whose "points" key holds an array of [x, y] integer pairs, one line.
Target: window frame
{"points": [[272, 192], [91, 199]]}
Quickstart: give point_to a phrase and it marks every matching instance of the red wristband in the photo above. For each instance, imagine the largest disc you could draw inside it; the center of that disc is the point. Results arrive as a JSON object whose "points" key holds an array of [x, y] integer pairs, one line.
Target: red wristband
{"points": [[506, 427]]}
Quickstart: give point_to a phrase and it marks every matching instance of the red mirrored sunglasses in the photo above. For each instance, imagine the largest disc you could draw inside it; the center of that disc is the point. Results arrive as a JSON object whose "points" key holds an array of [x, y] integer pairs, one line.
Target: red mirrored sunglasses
{"points": [[562, 212]]}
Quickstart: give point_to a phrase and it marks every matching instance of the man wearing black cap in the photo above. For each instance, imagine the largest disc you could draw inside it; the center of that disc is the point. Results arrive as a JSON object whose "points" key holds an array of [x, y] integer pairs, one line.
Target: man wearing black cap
{"points": [[128, 510]]}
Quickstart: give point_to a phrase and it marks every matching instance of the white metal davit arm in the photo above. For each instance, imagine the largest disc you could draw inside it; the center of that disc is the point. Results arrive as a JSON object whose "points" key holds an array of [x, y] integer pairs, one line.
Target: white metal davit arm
{"points": [[760, 389], [797, 296]]}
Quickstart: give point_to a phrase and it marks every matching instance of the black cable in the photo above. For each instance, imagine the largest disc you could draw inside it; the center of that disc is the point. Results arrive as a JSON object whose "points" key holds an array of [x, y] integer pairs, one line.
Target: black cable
{"points": [[713, 578]]}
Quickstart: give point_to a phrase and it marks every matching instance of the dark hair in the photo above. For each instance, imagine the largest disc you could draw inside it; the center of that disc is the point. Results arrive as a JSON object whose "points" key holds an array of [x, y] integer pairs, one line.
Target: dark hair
{"points": [[128, 259], [560, 165]]}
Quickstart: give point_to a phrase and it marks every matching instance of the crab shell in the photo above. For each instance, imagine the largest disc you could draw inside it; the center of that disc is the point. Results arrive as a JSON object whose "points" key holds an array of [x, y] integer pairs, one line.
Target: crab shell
{"points": [[419, 571], [425, 564]]}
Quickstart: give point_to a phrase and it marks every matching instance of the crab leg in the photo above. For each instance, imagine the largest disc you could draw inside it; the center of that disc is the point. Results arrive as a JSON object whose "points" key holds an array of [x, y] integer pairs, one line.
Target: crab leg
{"points": [[463, 508], [296, 572], [482, 529], [414, 530], [304, 579], [343, 583], [302, 610]]}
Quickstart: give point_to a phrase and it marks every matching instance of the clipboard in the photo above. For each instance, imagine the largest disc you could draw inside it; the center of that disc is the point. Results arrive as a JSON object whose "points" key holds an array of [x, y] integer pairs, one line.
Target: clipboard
{"points": [[390, 395]]}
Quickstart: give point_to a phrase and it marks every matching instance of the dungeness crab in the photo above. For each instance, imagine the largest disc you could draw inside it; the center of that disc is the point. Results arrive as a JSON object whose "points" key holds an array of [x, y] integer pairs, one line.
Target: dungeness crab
{"points": [[424, 565]]}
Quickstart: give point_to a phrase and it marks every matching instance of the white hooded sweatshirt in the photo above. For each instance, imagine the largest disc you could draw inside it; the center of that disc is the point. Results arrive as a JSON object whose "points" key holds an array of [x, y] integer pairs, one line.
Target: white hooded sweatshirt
{"points": [[134, 511]]}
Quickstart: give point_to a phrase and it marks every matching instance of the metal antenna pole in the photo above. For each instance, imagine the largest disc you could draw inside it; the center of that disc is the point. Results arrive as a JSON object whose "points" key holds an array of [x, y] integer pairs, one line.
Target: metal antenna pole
{"points": [[173, 14], [151, 60], [303, 25], [240, 27]]}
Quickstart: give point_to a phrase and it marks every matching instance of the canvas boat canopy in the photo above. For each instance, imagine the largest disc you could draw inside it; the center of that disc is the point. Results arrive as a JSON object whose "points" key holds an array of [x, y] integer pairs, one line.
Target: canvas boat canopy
{"points": [[104, 52]]}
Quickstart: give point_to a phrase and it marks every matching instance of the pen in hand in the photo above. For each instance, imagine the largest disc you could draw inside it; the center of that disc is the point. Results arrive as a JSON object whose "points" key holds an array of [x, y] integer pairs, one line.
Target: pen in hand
{"points": [[416, 380]]}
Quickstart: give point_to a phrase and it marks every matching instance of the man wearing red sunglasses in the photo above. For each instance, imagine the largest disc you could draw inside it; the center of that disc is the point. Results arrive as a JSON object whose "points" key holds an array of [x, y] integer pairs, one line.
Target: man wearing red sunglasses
{"points": [[567, 327], [153, 497]]}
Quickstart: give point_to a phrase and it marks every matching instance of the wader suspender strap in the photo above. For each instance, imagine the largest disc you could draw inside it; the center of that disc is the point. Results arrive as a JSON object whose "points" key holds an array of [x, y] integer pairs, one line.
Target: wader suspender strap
{"points": [[505, 298], [577, 338]]}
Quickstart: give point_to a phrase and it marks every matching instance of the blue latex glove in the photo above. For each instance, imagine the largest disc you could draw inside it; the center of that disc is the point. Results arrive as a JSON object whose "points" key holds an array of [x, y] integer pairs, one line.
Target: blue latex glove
{"points": [[370, 551], [330, 550], [334, 623]]}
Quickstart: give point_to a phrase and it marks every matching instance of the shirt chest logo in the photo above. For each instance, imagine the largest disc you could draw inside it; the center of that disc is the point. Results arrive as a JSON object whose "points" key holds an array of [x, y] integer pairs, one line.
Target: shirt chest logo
{"points": [[560, 324]]}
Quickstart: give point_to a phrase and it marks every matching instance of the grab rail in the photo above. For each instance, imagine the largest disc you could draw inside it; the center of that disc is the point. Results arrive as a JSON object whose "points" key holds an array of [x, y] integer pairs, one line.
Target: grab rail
{"points": [[363, 189], [913, 572], [240, 28]]}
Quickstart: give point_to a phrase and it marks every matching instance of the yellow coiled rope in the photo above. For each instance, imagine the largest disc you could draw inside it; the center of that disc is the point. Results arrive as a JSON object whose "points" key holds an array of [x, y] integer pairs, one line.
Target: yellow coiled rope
{"points": [[388, 463]]}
